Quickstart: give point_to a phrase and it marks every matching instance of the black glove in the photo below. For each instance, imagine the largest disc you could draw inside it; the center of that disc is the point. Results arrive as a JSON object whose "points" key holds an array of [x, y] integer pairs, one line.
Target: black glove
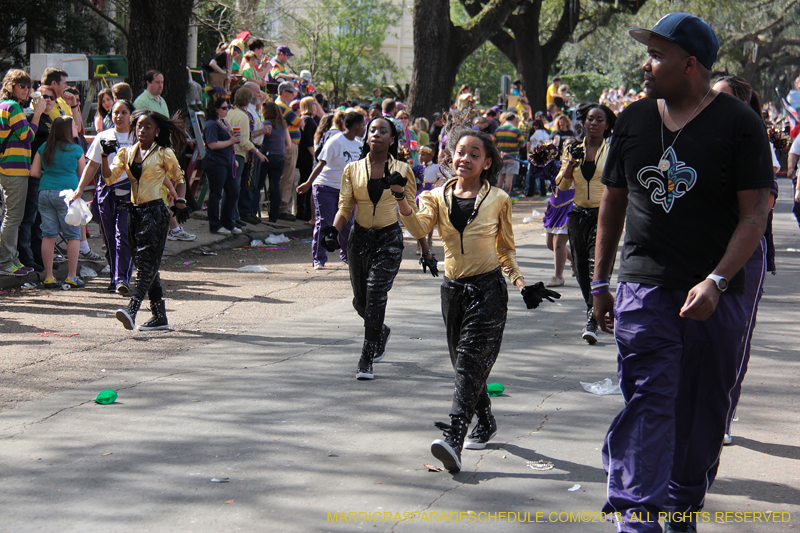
{"points": [[534, 294], [397, 179], [109, 147], [576, 150], [181, 213], [431, 263], [330, 238]]}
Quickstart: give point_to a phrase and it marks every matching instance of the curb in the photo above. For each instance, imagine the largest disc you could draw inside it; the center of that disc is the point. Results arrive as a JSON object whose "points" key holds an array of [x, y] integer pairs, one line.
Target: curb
{"points": [[227, 243]]}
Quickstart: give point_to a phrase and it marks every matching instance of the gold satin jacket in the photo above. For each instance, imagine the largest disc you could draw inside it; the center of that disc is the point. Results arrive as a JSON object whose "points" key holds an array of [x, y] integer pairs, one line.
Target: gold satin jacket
{"points": [[587, 193], [157, 163], [487, 242], [354, 192]]}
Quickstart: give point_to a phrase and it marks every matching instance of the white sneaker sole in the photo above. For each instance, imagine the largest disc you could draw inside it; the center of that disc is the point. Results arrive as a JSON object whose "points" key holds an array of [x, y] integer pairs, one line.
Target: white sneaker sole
{"points": [[477, 445], [125, 318], [364, 375], [145, 328], [589, 337], [447, 455]]}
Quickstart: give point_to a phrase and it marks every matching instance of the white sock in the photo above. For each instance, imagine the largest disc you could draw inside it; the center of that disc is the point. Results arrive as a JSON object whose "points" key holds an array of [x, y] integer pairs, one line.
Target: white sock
{"points": [[85, 247]]}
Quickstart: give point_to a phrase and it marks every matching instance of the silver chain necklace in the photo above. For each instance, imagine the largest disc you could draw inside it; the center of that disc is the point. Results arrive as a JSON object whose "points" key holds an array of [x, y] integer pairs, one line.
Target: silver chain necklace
{"points": [[664, 163]]}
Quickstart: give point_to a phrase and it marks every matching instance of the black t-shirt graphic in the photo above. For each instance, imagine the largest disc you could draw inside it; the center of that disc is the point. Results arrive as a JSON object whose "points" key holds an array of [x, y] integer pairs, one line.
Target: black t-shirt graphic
{"points": [[680, 220]]}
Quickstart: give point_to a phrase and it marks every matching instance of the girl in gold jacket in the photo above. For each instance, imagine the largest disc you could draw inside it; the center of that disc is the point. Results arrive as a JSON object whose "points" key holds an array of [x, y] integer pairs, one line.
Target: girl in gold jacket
{"points": [[149, 164], [474, 220], [375, 245]]}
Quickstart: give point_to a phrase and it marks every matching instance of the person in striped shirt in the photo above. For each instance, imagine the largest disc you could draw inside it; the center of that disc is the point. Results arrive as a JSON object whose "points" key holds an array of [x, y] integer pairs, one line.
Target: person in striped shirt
{"points": [[294, 122], [16, 134], [509, 141]]}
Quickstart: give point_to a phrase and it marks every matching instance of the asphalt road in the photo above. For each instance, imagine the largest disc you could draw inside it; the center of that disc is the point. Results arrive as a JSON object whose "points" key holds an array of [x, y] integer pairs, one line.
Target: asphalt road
{"points": [[255, 386]]}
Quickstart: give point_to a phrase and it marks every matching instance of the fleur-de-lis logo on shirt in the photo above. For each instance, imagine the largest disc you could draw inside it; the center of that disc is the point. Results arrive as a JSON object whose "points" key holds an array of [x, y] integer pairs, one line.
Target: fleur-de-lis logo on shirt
{"points": [[667, 185]]}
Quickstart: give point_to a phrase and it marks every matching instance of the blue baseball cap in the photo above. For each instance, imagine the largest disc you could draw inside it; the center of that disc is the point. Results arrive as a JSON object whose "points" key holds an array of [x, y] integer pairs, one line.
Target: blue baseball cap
{"points": [[690, 32]]}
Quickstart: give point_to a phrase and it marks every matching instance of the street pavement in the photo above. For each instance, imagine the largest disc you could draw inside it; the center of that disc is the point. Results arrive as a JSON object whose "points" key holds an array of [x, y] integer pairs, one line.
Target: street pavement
{"points": [[272, 408]]}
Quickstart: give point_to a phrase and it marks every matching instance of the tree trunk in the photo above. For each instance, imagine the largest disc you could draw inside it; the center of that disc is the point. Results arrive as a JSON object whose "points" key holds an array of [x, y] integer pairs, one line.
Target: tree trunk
{"points": [[159, 38], [440, 48], [533, 69], [436, 59]]}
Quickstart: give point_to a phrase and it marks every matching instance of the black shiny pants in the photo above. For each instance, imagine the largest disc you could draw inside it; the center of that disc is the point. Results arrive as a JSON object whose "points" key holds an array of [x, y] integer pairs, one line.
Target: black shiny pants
{"points": [[148, 224], [474, 311], [374, 257], [582, 238]]}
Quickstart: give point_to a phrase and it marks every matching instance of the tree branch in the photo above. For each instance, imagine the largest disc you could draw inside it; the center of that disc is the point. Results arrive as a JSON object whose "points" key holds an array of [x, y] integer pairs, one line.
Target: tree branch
{"points": [[563, 30], [505, 43], [87, 3], [487, 21]]}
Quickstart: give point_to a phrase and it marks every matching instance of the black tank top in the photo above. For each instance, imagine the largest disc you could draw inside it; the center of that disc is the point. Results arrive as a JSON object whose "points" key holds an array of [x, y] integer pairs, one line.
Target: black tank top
{"points": [[460, 212]]}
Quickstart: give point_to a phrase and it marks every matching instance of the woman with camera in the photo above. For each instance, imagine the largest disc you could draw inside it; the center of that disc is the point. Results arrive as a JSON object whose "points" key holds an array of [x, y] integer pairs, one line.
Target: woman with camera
{"points": [[112, 200], [582, 165]]}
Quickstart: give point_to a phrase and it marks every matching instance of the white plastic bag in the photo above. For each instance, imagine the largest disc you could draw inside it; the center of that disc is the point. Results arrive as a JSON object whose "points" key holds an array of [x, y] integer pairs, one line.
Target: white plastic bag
{"points": [[276, 239], [602, 388], [253, 269], [78, 213]]}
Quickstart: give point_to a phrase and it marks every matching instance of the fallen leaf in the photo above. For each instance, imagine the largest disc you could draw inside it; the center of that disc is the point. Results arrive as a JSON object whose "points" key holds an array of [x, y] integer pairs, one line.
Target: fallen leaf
{"points": [[241, 479], [36, 458], [277, 438], [104, 454], [378, 483], [230, 501], [432, 468]]}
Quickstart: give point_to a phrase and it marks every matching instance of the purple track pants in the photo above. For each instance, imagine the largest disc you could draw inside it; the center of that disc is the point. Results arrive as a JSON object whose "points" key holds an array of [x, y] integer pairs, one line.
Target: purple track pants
{"points": [[662, 451]]}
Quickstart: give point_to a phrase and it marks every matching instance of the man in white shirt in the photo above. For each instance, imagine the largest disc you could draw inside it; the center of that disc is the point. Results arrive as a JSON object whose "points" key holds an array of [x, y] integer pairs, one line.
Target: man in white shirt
{"points": [[326, 179]]}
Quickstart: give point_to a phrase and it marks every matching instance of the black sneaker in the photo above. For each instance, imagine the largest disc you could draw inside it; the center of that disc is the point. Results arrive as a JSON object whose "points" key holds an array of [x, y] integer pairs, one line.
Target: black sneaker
{"points": [[287, 216], [590, 331], [159, 318], [122, 288], [111, 287], [127, 315], [386, 332], [364, 370], [448, 451], [482, 433]]}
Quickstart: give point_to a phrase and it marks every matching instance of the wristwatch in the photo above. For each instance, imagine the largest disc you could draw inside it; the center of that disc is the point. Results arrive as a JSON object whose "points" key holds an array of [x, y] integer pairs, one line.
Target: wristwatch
{"points": [[719, 281]]}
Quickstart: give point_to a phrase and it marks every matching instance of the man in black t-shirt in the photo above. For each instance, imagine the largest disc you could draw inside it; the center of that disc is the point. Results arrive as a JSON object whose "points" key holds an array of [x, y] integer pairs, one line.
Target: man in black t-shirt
{"points": [[692, 170]]}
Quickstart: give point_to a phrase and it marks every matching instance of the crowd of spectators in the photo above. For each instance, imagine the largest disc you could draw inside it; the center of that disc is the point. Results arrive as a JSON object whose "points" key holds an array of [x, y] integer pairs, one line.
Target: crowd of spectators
{"points": [[265, 129]]}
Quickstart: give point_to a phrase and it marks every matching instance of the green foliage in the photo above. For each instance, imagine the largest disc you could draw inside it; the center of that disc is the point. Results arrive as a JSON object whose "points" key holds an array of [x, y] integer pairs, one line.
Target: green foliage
{"points": [[341, 40], [482, 70], [746, 30], [13, 34], [484, 67], [59, 26], [586, 87], [399, 91]]}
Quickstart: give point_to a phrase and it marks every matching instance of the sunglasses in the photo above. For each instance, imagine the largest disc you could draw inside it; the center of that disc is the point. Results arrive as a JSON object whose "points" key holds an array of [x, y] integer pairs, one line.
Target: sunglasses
{"points": [[225, 107], [23, 85], [48, 97]]}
